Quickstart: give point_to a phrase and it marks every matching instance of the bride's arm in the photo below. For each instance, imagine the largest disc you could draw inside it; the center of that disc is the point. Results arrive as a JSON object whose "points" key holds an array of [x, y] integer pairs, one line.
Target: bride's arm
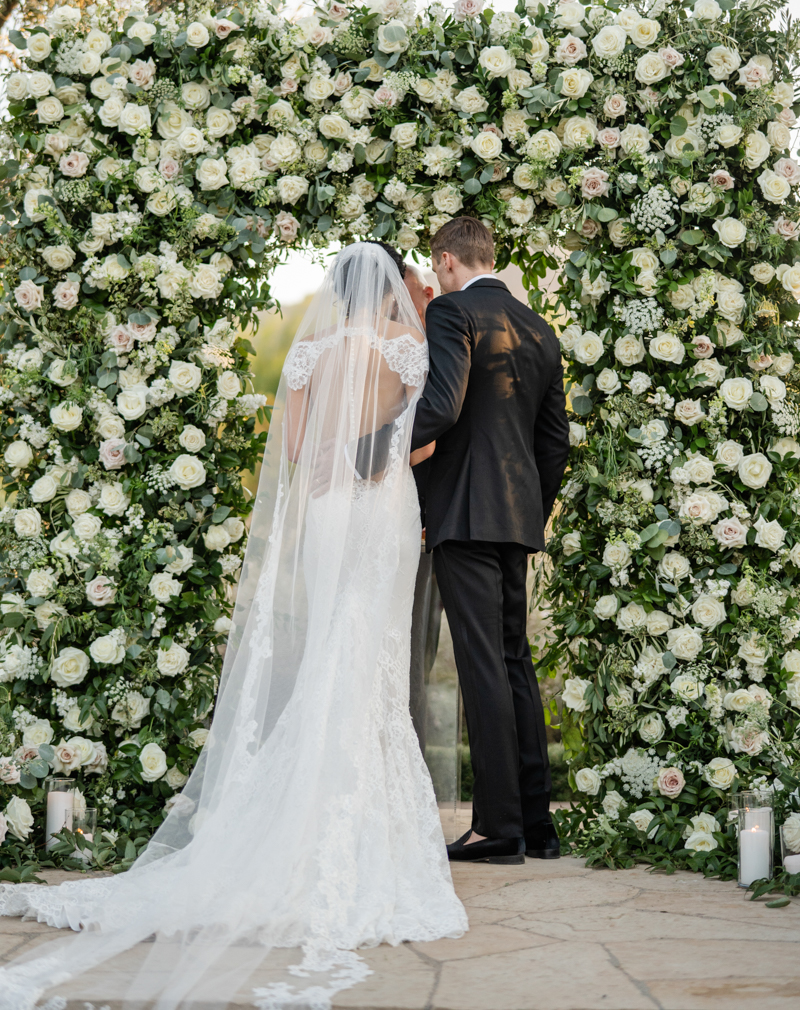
{"points": [[423, 453], [297, 402]]}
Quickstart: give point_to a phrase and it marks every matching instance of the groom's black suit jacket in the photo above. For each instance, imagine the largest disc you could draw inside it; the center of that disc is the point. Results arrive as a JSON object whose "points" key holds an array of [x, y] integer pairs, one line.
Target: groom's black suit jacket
{"points": [[494, 402]]}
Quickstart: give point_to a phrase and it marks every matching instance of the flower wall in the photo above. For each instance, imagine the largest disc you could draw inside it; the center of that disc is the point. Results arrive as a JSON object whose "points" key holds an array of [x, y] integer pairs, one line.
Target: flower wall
{"points": [[157, 166], [677, 549]]}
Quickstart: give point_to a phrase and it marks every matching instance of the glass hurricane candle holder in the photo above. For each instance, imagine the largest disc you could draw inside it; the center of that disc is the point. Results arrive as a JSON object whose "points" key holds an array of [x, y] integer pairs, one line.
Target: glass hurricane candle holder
{"points": [[60, 798], [756, 840], [790, 848], [85, 824]]}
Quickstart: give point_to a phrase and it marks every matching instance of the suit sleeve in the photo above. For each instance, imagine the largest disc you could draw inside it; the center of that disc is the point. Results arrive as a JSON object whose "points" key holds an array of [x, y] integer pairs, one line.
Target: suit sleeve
{"points": [[551, 441], [450, 350]]}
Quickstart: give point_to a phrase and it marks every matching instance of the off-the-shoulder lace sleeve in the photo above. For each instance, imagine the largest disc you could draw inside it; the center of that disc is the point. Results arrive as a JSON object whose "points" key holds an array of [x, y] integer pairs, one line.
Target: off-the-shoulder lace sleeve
{"points": [[408, 357], [302, 359]]}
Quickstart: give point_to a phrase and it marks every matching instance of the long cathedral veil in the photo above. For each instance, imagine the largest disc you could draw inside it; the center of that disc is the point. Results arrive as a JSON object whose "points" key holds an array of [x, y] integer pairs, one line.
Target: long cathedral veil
{"points": [[308, 820]]}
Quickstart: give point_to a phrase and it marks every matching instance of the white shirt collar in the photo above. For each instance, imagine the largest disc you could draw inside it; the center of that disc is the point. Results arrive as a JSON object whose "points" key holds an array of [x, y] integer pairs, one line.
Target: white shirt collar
{"points": [[477, 277]]}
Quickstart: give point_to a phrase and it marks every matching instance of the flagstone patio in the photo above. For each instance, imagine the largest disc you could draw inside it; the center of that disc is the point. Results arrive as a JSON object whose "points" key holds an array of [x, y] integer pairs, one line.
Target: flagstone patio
{"points": [[553, 936]]}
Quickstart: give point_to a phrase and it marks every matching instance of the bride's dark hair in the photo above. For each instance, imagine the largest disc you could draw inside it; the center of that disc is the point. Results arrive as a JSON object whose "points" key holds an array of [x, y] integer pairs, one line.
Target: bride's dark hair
{"points": [[346, 279]]}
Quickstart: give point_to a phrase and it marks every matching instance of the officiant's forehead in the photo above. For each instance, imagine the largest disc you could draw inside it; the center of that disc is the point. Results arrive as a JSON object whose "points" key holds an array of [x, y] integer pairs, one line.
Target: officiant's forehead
{"points": [[466, 238]]}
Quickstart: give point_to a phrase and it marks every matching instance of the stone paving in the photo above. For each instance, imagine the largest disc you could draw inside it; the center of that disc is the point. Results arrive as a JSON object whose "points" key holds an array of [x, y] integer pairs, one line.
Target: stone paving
{"points": [[553, 936]]}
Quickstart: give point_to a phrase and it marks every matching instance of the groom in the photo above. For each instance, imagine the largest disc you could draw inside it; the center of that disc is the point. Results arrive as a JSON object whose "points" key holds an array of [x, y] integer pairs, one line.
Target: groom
{"points": [[494, 404]]}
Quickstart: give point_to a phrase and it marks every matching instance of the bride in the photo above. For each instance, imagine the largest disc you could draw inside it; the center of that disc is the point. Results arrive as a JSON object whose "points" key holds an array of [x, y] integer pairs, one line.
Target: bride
{"points": [[309, 820]]}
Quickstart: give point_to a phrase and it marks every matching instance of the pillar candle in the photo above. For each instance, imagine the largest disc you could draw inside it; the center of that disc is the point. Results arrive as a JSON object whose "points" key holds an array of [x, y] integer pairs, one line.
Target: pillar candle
{"points": [[59, 815], [753, 855], [792, 863]]}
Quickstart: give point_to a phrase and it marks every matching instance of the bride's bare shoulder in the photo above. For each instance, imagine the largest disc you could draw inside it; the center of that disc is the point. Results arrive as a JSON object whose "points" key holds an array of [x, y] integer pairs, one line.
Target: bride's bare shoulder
{"points": [[395, 329]]}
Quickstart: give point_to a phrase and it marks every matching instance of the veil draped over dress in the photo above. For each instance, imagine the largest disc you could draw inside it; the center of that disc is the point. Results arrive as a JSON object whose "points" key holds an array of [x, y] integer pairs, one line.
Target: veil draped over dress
{"points": [[310, 819]]}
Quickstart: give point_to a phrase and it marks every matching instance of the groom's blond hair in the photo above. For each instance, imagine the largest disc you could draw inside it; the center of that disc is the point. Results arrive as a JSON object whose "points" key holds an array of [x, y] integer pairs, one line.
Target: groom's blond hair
{"points": [[467, 239]]}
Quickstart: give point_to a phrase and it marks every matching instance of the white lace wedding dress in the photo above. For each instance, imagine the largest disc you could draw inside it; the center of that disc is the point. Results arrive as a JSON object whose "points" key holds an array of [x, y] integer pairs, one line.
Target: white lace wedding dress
{"points": [[310, 820]]}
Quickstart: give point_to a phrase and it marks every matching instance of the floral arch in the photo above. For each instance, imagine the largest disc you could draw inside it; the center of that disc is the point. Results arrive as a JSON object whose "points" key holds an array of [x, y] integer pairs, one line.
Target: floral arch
{"points": [[156, 167]]}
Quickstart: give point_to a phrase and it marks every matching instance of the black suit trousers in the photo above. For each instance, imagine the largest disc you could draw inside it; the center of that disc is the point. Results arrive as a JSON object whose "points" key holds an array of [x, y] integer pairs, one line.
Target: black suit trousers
{"points": [[483, 588]]}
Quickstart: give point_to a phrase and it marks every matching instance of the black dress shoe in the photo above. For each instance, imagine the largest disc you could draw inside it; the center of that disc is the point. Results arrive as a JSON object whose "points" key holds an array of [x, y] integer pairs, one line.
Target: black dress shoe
{"points": [[507, 851], [541, 842]]}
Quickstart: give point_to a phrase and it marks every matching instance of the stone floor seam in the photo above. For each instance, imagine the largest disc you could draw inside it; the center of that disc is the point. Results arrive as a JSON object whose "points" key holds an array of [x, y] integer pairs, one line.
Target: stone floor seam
{"points": [[643, 987], [437, 973]]}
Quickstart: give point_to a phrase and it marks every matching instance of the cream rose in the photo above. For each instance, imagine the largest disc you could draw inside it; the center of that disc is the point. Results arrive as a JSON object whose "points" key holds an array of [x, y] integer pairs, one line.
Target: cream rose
{"points": [[754, 470], [187, 472], [720, 773], [770, 535], [69, 667], [666, 347], [153, 761], [736, 392], [18, 455], [191, 438], [587, 780], [588, 348], [684, 642], [172, 661], [66, 416], [101, 591], [107, 650]]}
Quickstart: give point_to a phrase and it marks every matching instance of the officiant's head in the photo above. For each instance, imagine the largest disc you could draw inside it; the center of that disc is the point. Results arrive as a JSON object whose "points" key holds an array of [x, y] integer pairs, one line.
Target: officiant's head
{"points": [[421, 292], [460, 250]]}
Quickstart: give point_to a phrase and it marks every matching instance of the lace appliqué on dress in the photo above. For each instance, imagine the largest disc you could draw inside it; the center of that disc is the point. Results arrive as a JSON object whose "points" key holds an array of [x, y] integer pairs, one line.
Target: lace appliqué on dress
{"points": [[408, 357]]}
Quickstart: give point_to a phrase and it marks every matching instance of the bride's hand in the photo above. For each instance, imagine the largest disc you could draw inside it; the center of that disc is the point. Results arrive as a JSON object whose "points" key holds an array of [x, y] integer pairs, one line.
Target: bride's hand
{"points": [[425, 452]]}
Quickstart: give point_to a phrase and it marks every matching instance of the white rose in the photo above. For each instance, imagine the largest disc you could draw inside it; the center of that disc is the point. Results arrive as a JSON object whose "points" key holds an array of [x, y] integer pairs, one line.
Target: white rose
{"points": [[609, 42], [684, 642], [578, 132], [629, 350], [736, 392], [486, 145], [774, 188], [658, 622], [650, 68], [575, 82], [185, 377], [197, 36], [182, 559], [107, 650], [651, 728], [69, 667], [18, 815], [757, 149], [570, 543], [720, 772], [41, 582], [18, 455], [153, 761], [708, 611], [113, 500], [39, 46], [723, 61], [793, 690], [216, 538], [187, 472], [729, 454], [608, 381], [66, 416], [58, 257], [689, 412], [198, 737], [134, 119], [86, 526], [617, 555], [172, 661], [769, 534], [234, 527], [110, 426], [587, 780], [754, 470], [132, 402], [731, 232], [666, 347], [191, 438], [588, 348], [44, 489], [606, 607], [36, 733], [496, 61], [631, 617], [27, 522], [229, 385], [782, 446], [163, 586]]}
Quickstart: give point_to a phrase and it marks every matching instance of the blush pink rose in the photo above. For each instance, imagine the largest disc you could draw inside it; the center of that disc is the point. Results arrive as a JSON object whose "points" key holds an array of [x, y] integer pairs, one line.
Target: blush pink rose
{"points": [[28, 296], [787, 229], [590, 229], [9, 772], [286, 226], [337, 11], [789, 169], [721, 179], [671, 782], [608, 137], [223, 28], [74, 164], [121, 339], [142, 73], [703, 348], [570, 51], [385, 97], [288, 86], [671, 57], [169, 168], [112, 453], [594, 183], [101, 591], [342, 84], [787, 117], [65, 294], [464, 9], [26, 753]]}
